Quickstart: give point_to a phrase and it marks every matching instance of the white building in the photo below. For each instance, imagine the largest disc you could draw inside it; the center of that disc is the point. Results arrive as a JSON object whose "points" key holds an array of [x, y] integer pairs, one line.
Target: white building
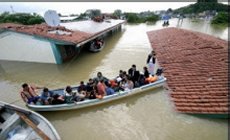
{"points": [[44, 44]]}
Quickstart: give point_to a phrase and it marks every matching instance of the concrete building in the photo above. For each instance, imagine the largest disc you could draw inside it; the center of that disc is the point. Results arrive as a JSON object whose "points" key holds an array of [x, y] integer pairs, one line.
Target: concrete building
{"points": [[45, 44]]}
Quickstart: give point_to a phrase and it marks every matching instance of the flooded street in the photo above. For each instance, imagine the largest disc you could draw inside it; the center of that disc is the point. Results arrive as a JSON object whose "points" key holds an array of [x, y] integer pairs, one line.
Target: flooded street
{"points": [[147, 116]]}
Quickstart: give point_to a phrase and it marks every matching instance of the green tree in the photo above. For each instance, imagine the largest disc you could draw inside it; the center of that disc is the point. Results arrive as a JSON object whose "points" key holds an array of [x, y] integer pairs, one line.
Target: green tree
{"points": [[132, 18], [221, 18], [22, 18], [117, 13]]}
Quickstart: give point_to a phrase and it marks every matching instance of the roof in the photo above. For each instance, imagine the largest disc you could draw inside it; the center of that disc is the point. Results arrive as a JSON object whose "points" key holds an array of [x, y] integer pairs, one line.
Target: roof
{"points": [[196, 66], [68, 18], [74, 32], [90, 26], [43, 29]]}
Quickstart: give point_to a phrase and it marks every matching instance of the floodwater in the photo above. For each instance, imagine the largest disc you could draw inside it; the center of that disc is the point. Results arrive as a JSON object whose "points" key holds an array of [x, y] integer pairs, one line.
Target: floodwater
{"points": [[149, 116]]}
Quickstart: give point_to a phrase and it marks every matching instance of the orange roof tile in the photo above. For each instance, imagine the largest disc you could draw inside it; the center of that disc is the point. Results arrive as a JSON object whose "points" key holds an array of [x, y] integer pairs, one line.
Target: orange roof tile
{"points": [[196, 66]]}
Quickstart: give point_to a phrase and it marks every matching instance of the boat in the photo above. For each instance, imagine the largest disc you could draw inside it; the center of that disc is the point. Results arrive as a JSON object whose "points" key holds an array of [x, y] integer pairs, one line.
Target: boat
{"points": [[96, 48], [93, 102], [18, 123]]}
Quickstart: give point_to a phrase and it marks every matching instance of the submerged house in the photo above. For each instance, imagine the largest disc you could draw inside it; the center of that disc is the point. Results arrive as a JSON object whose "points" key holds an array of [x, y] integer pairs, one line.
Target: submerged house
{"points": [[45, 44]]}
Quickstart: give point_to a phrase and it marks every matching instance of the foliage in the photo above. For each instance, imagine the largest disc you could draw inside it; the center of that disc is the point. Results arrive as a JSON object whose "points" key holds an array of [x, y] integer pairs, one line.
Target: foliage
{"points": [[117, 13], [22, 18], [201, 7], [221, 18], [93, 13], [138, 18]]}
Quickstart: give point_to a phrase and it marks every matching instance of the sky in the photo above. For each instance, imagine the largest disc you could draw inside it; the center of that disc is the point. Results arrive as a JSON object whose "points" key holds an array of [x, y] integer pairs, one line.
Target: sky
{"points": [[66, 8]]}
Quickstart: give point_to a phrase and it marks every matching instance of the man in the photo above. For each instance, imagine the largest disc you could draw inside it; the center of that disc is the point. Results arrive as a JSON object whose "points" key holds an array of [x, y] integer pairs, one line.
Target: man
{"points": [[46, 95], [134, 75], [28, 93], [151, 62], [101, 92], [100, 77]]}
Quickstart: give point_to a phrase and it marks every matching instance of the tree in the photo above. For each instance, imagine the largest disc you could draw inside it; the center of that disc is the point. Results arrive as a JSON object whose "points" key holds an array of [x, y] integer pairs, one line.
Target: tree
{"points": [[117, 13], [93, 13], [222, 18], [22, 18], [132, 18]]}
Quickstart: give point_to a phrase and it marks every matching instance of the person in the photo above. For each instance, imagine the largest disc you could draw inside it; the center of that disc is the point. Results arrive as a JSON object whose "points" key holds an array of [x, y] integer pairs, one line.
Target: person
{"points": [[101, 89], [57, 99], [82, 88], [108, 89], [100, 77], [98, 43], [93, 93], [154, 78], [127, 84], [146, 72], [134, 75], [28, 93], [69, 95], [151, 62], [89, 86], [45, 95]]}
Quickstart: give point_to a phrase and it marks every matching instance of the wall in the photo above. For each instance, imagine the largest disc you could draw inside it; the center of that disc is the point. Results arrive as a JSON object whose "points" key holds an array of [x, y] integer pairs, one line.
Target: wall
{"points": [[20, 47]]}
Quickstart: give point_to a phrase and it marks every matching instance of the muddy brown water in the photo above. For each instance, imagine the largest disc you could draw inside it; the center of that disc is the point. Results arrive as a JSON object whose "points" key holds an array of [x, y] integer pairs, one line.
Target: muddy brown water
{"points": [[148, 116]]}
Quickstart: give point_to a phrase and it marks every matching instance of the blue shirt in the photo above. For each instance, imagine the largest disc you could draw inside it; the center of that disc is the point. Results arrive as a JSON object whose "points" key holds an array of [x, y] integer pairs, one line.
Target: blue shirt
{"points": [[46, 95], [109, 91]]}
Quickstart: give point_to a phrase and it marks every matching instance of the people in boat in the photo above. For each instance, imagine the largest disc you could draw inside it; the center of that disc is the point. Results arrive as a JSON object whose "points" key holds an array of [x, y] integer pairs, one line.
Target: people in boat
{"points": [[71, 95], [98, 43], [93, 93], [89, 86], [108, 89], [100, 77], [82, 89], [28, 93], [101, 92], [154, 78], [127, 83], [134, 75], [57, 99], [151, 59], [141, 80], [45, 95], [146, 72]]}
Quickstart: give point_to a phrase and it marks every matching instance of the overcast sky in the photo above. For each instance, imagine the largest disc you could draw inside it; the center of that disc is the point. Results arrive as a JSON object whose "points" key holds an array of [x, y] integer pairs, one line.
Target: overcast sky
{"points": [[80, 7]]}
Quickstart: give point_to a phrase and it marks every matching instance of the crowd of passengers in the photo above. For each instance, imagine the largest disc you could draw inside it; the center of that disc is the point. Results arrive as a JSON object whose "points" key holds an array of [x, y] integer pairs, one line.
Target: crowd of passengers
{"points": [[97, 87]]}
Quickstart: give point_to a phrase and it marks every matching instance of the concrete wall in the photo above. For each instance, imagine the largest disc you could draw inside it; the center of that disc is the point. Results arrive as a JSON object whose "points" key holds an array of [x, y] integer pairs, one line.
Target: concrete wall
{"points": [[21, 47]]}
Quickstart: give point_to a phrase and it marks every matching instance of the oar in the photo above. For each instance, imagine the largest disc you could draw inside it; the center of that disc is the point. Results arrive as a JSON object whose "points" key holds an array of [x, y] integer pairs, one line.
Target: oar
{"points": [[22, 115], [34, 126]]}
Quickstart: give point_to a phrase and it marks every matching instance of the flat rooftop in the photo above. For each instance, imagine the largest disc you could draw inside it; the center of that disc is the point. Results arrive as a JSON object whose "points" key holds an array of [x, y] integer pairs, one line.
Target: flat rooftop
{"points": [[90, 26], [73, 32], [196, 66]]}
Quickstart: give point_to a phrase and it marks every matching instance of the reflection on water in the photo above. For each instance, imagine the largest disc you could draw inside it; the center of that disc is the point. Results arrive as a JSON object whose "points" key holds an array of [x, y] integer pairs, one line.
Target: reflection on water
{"points": [[143, 117]]}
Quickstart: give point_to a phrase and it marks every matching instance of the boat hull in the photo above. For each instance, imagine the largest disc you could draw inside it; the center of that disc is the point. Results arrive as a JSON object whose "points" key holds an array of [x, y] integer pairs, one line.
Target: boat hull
{"points": [[24, 123], [94, 102]]}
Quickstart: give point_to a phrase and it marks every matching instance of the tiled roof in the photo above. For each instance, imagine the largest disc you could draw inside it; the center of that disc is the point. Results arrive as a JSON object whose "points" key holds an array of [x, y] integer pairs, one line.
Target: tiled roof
{"points": [[196, 66], [43, 29]]}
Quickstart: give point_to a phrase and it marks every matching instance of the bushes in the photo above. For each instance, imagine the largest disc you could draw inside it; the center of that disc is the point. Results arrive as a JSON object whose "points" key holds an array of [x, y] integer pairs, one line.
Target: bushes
{"points": [[22, 18], [137, 18], [222, 18]]}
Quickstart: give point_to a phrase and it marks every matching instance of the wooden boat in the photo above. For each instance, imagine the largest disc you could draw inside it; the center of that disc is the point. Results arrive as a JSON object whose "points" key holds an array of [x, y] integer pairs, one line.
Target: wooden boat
{"points": [[18, 123], [93, 102], [95, 48]]}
